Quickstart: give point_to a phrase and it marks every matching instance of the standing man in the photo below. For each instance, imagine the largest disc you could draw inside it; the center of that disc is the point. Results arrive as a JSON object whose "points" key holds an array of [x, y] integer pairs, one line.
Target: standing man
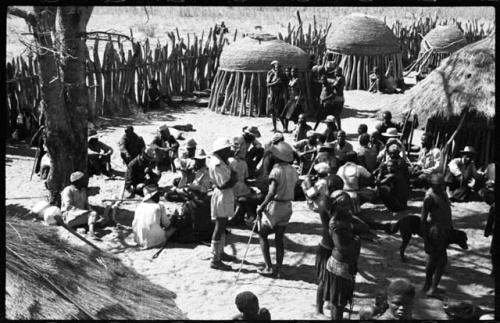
{"points": [[222, 204], [166, 148], [429, 162], [306, 150], [276, 210], [241, 189], [277, 87], [326, 99], [435, 226], [252, 150], [75, 207], [130, 145], [294, 104], [338, 101]]}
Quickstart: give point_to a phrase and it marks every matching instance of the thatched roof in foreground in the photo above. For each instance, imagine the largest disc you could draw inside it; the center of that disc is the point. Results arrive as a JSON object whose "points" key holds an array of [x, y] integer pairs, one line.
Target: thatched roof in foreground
{"points": [[465, 79], [250, 54], [445, 39], [98, 283], [362, 35]]}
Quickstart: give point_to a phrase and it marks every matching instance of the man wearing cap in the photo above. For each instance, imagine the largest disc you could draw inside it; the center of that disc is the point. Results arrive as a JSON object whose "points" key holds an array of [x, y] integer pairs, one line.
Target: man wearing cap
{"points": [[99, 155], [140, 173], [241, 189], [330, 132], [429, 161], [151, 225], [342, 147], [386, 124], [252, 148], [222, 203], [130, 145], [301, 129], [276, 209], [166, 148], [185, 163], [352, 174], [435, 226], [276, 87], [306, 150], [367, 156], [463, 180], [75, 207]]}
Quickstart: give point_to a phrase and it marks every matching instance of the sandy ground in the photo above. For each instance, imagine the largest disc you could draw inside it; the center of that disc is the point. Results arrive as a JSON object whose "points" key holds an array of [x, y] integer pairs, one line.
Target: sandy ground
{"points": [[203, 293]]}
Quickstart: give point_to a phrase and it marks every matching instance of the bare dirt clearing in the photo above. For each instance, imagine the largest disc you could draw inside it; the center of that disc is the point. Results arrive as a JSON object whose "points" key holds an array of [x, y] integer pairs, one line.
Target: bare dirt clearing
{"points": [[203, 293]]}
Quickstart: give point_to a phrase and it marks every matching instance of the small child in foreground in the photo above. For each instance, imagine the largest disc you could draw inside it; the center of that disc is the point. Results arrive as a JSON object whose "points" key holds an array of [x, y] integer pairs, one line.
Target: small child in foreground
{"points": [[248, 305]]}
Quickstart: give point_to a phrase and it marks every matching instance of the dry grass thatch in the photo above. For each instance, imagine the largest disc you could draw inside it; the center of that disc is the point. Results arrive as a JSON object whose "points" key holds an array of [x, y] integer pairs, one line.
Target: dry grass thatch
{"points": [[250, 54], [362, 35], [444, 39], [90, 284], [466, 79]]}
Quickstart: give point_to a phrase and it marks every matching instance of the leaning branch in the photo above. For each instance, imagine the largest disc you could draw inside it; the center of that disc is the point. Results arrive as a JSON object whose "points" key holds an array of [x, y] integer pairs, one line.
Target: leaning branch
{"points": [[27, 16]]}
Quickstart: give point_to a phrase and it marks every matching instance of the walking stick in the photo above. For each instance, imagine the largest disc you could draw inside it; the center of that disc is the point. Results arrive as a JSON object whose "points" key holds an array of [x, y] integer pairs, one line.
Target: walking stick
{"points": [[248, 246], [36, 161], [161, 249]]}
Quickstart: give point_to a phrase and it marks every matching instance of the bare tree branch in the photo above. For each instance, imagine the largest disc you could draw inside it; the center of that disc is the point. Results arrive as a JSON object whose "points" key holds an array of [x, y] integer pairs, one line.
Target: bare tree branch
{"points": [[28, 16]]}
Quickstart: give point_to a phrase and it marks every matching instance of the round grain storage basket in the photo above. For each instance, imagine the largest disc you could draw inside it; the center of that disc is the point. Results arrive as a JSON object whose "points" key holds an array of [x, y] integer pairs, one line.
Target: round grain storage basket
{"points": [[438, 44], [240, 83], [358, 44]]}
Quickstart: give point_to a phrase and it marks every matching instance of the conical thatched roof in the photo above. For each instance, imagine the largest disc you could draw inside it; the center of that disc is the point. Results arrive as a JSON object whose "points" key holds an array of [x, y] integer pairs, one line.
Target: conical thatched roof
{"points": [[362, 35], [465, 79], [445, 39], [79, 284], [251, 54]]}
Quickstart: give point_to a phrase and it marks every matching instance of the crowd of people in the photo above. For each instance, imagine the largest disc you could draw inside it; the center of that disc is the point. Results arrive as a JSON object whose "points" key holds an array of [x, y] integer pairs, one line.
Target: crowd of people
{"points": [[251, 184]]}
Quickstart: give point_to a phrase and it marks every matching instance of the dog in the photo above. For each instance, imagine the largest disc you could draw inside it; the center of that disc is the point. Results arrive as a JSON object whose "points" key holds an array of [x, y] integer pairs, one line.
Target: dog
{"points": [[410, 225]]}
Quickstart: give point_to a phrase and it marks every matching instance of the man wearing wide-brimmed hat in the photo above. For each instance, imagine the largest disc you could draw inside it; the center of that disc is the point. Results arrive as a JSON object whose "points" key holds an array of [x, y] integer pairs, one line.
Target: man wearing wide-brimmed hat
{"points": [[222, 203], [75, 207], [435, 226], [387, 123], [463, 179], [276, 87], [392, 137], [151, 225], [140, 173], [130, 145], [166, 147], [99, 155], [252, 148], [276, 209]]}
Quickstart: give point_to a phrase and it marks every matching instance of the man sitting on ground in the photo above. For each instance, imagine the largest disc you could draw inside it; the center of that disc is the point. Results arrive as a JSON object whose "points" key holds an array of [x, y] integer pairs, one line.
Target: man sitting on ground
{"points": [[386, 124], [463, 180], [330, 132], [140, 173], [99, 156], [306, 149], [165, 146], [130, 145], [429, 162], [301, 128], [375, 80], [185, 164], [75, 207], [342, 147], [151, 223], [393, 188], [367, 156], [248, 305]]}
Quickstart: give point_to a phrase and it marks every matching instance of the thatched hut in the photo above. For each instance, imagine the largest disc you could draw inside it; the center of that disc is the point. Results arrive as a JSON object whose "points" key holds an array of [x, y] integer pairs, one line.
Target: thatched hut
{"points": [[458, 98], [361, 42], [438, 44], [48, 279], [240, 87]]}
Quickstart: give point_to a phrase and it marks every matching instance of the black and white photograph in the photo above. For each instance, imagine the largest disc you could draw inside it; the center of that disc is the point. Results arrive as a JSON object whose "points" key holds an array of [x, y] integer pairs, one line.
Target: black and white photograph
{"points": [[168, 161]]}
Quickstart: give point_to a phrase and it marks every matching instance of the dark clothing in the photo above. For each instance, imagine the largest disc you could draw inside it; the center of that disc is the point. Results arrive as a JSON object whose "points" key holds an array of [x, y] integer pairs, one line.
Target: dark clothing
{"points": [[339, 85], [301, 131], [294, 106], [330, 134], [97, 163], [383, 128], [262, 315], [394, 191], [277, 87], [194, 223], [135, 173], [440, 225], [165, 159], [38, 140], [367, 157], [154, 98], [490, 229], [130, 145]]}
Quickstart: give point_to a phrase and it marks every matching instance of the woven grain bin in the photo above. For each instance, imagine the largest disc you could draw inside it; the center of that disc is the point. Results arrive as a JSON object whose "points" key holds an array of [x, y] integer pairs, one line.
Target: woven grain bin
{"points": [[465, 81], [359, 43], [240, 83], [438, 44]]}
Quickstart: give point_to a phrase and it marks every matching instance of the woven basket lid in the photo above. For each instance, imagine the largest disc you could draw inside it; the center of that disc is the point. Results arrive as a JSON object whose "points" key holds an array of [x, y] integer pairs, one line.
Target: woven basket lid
{"points": [[362, 35], [447, 38], [256, 54]]}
